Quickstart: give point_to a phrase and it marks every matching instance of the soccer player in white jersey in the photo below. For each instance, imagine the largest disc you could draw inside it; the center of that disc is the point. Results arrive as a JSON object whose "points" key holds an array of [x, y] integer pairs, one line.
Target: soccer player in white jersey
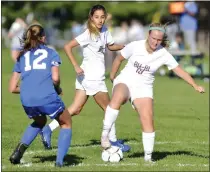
{"points": [[135, 82], [15, 34], [91, 74]]}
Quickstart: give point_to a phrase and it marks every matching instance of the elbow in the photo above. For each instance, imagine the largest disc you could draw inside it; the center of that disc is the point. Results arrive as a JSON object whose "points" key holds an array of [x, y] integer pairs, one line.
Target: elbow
{"points": [[67, 47], [111, 49]]}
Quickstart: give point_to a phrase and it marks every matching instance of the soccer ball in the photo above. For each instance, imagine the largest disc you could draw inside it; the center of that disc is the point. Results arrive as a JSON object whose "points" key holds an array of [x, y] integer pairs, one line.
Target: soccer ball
{"points": [[112, 154]]}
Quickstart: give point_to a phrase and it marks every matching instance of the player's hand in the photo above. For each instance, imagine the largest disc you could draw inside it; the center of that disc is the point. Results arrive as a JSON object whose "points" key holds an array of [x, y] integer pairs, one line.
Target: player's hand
{"points": [[78, 70], [200, 89], [58, 90], [112, 78]]}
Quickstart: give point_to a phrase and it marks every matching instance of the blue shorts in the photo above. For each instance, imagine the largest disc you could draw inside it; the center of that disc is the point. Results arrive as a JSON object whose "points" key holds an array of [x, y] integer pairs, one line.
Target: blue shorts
{"points": [[52, 110]]}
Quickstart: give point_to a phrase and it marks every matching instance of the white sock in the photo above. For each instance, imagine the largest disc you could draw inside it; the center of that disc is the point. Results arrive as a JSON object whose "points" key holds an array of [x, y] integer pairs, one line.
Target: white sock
{"points": [[112, 133], [54, 124], [109, 120], [148, 140]]}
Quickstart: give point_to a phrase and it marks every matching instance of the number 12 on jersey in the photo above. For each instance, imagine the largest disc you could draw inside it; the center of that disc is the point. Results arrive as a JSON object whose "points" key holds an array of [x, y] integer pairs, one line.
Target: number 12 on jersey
{"points": [[36, 63]]}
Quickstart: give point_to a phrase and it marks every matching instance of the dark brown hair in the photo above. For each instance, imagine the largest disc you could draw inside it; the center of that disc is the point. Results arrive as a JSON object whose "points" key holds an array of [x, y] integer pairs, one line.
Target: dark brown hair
{"points": [[90, 25]]}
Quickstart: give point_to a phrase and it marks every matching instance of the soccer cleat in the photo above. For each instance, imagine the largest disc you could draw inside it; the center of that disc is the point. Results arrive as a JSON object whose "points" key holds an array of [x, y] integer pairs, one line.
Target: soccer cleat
{"points": [[57, 164], [123, 147], [149, 161], [46, 137], [120, 141], [18, 153], [105, 143]]}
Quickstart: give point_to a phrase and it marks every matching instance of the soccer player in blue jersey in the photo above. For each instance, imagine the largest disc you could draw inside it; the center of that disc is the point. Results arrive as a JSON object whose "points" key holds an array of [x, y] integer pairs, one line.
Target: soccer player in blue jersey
{"points": [[38, 68]]}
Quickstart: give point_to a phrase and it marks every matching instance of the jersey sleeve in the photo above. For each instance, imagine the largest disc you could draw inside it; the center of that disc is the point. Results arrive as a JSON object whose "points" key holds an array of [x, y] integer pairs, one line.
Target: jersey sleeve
{"points": [[17, 67], [110, 39], [170, 62], [127, 51], [84, 38], [56, 60]]}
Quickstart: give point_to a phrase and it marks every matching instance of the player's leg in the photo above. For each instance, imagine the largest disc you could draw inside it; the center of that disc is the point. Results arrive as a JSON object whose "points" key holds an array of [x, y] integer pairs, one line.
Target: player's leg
{"points": [[64, 138], [27, 138], [75, 108], [119, 96], [144, 107], [80, 99], [102, 99]]}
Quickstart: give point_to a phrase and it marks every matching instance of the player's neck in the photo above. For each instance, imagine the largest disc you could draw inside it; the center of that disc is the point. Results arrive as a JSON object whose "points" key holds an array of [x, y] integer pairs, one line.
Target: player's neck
{"points": [[148, 48]]}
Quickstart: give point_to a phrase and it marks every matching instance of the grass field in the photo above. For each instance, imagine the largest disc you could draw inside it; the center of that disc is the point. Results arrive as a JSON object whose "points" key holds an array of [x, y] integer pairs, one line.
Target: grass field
{"points": [[181, 122]]}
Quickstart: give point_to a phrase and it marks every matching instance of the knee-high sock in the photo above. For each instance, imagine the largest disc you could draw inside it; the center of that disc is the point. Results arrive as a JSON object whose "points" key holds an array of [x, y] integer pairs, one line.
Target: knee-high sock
{"points": [[30, 133], [110, 118], [112, 133], [64, 141], [148, 140]]}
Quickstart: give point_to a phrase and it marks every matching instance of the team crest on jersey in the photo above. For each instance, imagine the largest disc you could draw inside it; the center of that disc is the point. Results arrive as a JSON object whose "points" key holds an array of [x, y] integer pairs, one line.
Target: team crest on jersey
{"points": [[140, 68], [101, 49], [55, 63]]}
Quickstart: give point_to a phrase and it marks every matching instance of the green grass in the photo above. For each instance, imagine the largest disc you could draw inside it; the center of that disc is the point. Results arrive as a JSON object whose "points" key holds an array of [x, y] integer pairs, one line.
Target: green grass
{"points": [[181, 122]]}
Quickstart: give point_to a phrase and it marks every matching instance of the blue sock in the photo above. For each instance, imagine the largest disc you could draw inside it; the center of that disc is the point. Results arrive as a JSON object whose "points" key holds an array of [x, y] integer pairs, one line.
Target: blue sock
{"points": [[64, 141], [47, 129], [30, 133]]}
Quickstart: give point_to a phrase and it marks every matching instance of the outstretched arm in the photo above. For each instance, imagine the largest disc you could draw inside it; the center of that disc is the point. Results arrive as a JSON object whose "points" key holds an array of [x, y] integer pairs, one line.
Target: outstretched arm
{"points": [[185, 76], [13, 84], [116, 65], [115, 47]]}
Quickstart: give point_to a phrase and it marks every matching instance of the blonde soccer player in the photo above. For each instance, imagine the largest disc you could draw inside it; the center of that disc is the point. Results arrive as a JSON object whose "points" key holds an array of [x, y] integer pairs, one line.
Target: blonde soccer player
{"points": [[135, 82], [91, 73]]}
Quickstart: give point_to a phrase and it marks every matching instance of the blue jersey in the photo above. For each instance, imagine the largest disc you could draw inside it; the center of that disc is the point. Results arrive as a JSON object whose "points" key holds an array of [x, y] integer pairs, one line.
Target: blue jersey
{"points": [[37, 87]]}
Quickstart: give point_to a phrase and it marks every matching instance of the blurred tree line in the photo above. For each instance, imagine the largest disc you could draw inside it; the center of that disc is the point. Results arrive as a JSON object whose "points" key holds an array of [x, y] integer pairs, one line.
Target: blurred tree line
{"points": [[65, 12]]}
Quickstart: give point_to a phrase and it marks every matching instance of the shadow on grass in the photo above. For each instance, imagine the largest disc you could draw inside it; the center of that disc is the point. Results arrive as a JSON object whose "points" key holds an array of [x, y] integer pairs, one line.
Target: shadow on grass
{"points": [[161, 155], [68, 160]]}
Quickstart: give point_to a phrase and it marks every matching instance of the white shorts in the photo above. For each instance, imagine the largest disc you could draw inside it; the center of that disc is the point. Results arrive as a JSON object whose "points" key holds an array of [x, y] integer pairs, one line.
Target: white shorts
{"points": [[135, 91], [91, 87]]}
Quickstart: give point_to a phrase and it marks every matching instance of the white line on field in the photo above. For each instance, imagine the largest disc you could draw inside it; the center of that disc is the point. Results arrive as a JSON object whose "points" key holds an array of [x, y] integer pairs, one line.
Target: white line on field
{"points": [[30, 164], [184, 165]]}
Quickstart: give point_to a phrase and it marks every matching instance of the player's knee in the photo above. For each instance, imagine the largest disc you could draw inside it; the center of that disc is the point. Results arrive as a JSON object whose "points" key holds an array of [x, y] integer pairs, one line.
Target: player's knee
{"points": [[39, 124], [146, 117], [116, 102]]}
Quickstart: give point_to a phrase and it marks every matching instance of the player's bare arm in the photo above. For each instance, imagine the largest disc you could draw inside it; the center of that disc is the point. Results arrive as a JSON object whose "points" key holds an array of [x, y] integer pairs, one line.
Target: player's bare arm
{"points": [[13, 84], [115, 47], [185, 76], [68, 50], [116, 65], [56, 79]]}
